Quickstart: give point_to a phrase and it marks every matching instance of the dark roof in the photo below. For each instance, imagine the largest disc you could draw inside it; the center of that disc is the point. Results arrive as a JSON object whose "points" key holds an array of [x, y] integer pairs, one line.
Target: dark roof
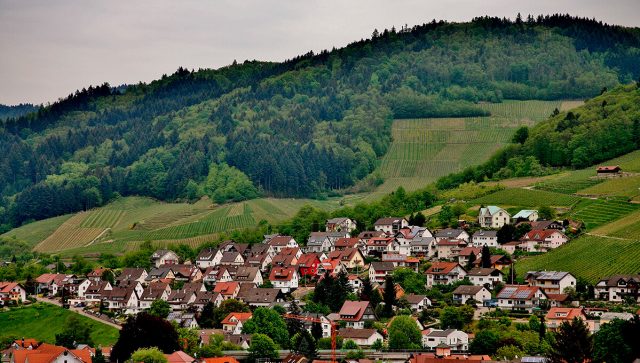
{"points": [[467, 290], [382, 266], [351, 333]]}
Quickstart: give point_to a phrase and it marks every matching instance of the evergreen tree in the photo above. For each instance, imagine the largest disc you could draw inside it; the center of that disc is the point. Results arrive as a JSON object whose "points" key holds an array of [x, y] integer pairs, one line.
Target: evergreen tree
{"points": [[486, 257], [471, 261], [573, 343], [294, 326], [206, 318], [389, 295], [303, 343], [316, 331]]}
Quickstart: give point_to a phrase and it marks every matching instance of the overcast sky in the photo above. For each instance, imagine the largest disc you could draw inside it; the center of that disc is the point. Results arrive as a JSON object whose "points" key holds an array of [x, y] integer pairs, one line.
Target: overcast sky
{"points": [[50, 48]]}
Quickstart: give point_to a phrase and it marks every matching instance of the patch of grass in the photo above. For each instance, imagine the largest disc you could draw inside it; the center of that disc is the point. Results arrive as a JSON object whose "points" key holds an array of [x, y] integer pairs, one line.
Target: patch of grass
{"points": [[35, 232], [590, 257], [43, 321], [527, 198]]}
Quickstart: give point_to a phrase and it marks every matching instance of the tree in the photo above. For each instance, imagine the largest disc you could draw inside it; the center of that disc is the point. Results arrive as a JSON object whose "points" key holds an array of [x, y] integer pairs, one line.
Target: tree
{"points": [[349, 344], [485, 342], [75, 332], [148, 355], [108, 276], [207, 316], [294, 326], [418, 220], [267, 321], [616, 341], [573, 343], [521, 135], [316, 330], [389, 295], [505, 234], [411, 281], [262, 347], [99, 357], [404, 333], [189, 339], [159, 308], [471, 261], [546, 213], [485, 261], [509, 352], [511, 275], [144, 331], [303, 343], [377, 345], [456, 317]]}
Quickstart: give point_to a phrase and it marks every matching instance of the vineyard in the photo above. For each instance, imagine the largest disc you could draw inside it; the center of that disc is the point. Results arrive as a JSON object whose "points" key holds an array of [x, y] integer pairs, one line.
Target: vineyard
{"points": [[70, 234], [527, 198], [589, 257], [625, 187], [597, 212], [425, 149], [35, 232], [626, 227]]}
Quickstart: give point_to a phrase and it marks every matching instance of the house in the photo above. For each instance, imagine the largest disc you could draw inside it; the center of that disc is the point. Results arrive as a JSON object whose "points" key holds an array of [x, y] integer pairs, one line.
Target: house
{"points": [[344, 243], [379, 270], [530, 215], [160, 273], [497, 261], [231, 258], [556, 316], [164, 257], [47, 353], [12, 291], [355, 313], [279, 242], [513, 246], [520, 297], [391, 225], [449, 248], [205, 297], [96, 289], [284, 278], [377, 245], [423, 246], [318, 242], [362, 337], [543, 240], [181, 299], [96, 274], [261, 297], [249, 274], [350, 257], [82, 286], [325, 323], [551, 282], [185, 273], [333, 267], [452, 338], [132, 275], [228, 290], [493, 217], [49, 283], [233, 323], [485, 276], [617, 288], [208, 257], [184, 320], [401, 260], [444, 273], [155, 291], [452, 234], [464, 293], [608, 170], [355, 283], [308, 265], [123, 298], [464, 256], [485, 238], [417, 303], [342, 224], [365, 236]]}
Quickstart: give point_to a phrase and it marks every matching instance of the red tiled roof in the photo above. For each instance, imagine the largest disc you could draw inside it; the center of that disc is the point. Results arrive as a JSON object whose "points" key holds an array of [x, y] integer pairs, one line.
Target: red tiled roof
{"points": [[347, 242], [564, 313], [242, 317], [353, 308], [281, 273], [441, 268], [226, 288], [179, 357], [308, 259], [220, 360]]}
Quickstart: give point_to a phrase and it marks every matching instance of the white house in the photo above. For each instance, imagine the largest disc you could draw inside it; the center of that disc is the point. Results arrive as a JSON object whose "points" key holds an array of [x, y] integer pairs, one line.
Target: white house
{"points": [[485, 238], [464, 293], [457, 340], [279, 242], [82, 287], [452, 234], [520, 297], [355, 313], [543, 240], [616, 288], [284, 278], [208, 257], [417, 302], [444, 273], [379, 270], [12, 291], [485, 276], [526, 215], [551, 282], [164, 257], [362, 337], [493, 217], [341, 225], [233, 323], [391, 225]]}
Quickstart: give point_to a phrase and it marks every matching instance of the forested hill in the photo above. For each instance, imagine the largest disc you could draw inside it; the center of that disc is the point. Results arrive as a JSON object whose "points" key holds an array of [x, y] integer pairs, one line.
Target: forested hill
{"points": [[304, 127], [605, 127], [7, 112]]}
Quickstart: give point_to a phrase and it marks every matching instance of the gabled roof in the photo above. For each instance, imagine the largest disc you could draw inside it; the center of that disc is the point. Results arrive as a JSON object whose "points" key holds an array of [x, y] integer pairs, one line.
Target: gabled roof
{"points": [[179, 357], [241, 317], [6, 287], [414, 299], [308, 259], [539, 234], [558, 313], [467, 251], [282, 273], [388, 221], [371, 234], [519, 292], [479, 271], [382, 266], [226, 288], [207, 254], [617, 279], [490, 234], [547, 275], [353, 310], [347, 242], [351, 333], [442, 268], [280, 240], [525, 213], [467, 290], [449, 233], [256, 295], [492, 209]]}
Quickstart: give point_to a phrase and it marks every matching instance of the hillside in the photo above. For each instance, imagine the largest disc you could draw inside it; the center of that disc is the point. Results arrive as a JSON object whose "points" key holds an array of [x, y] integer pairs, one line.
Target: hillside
{"points": [[319, 122], [43, 321], [7, 112]]}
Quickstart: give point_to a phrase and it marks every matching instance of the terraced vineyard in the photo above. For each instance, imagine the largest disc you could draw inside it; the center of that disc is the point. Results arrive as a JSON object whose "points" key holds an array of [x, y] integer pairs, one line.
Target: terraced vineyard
{"points": [[590, 257], [597, 212], [35, 232], [624, 187], [626, 227], [527, 198], [425, 149], [70, 234]]}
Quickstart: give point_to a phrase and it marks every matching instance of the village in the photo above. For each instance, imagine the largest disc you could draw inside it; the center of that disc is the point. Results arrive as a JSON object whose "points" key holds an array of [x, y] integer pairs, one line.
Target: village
{"points": [[464, 269]]}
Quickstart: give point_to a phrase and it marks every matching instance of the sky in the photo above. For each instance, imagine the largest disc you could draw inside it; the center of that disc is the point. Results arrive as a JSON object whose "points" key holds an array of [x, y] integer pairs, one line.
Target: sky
{"points": [[49, 49]]}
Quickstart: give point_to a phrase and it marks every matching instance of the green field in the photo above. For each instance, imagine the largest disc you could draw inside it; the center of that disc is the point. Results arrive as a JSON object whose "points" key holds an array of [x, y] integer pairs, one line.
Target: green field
{"points": [[527, 198], [425, 149], [597, 212], [120, 225], [624, 187], [590, 257], [43, 321], [626, 227], [33, 233]]}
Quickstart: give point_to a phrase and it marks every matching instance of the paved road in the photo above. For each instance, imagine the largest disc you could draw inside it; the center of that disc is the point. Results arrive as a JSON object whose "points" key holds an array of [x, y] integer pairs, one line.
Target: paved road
{"points": [[80, 312]]}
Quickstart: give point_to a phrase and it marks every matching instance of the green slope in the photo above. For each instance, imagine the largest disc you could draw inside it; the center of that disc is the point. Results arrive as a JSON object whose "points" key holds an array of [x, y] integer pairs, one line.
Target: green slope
{"points": [[43, 321]]}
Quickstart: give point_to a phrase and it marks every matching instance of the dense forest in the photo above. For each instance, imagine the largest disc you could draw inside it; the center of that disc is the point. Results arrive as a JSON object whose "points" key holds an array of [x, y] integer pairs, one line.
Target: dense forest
{"points": [[605, 127], [305, 127], [7, 112]]}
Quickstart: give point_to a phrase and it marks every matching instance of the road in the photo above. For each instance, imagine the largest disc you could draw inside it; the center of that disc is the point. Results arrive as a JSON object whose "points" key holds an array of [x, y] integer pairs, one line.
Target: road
{"points": [[80, 312]]}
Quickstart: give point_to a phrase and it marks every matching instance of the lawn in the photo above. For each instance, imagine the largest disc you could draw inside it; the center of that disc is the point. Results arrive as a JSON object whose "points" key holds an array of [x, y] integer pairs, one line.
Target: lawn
{"points": [[590, 257], [43, 321]]}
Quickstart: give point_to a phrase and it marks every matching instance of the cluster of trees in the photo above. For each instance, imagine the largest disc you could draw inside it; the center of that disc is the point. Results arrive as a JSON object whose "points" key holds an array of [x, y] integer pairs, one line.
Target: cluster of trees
{"points": [[306, 126], [16, 111], [605, 127]]}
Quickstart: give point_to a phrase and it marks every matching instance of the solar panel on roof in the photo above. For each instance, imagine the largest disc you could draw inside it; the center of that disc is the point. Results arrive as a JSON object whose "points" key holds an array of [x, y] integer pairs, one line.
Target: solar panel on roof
{"points": [[522, 294]]}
